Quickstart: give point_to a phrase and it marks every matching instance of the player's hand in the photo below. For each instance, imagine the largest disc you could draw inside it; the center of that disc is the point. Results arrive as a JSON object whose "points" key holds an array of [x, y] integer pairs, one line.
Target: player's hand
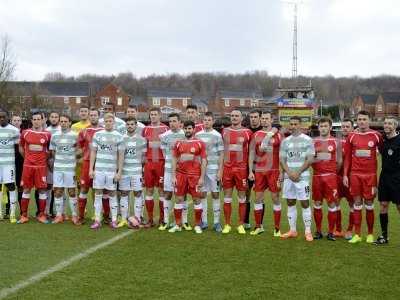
{"points": [[279, 181], [346, 181], [251, 176], [219, 175], [173, 180], [117, 177], [274, 130], [91, 174], [200, 182]]}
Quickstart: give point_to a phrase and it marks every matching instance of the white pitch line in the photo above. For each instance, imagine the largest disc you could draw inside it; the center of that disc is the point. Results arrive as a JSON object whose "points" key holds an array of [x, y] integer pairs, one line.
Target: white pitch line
{"points": [[65, 263]]}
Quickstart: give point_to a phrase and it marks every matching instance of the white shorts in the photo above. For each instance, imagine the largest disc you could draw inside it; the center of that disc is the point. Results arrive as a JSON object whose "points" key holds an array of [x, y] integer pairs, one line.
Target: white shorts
{"points": [[296, 190], [131, 183], [7, 174], [210, 183], [49, 178], [104, 181], [168, 182], [64, 179]]}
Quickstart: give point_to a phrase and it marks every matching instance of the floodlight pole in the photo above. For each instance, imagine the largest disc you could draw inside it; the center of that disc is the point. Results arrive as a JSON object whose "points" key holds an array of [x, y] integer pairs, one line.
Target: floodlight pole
{"points": [[294, 60]]}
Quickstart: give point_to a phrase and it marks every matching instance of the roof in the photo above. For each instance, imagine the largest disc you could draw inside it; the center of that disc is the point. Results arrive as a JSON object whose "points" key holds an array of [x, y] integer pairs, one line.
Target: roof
{"points": [[369, 99], [169, 93], [240, 94], [54, 88], [138, 100], [391, 97], [200, 100]]}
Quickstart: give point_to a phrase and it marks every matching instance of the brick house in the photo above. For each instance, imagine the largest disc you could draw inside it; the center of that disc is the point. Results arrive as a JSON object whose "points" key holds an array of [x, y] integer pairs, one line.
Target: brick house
{"points": [[379, 105], [65, 97], [112, 93], [169, 99]]}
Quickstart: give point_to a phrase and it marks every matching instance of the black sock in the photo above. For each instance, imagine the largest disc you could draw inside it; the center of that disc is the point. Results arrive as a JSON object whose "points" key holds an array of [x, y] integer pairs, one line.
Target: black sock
{"points": [[384, 220], [262, 216], [8, 203], [37, 202], [247, 218]]}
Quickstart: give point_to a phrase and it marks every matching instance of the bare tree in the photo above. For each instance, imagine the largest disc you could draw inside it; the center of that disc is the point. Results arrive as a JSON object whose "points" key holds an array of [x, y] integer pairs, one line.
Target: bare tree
{"points": [[7, 65]]}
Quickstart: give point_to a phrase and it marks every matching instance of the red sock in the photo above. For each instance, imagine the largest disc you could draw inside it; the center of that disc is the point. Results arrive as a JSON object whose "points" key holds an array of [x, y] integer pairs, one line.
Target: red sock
{"points": [[258, 217], [24, 206], [242, 212], [351, 221], [318, 218], [178, 216], [370, 216], [82, 207], [277, 219], [357, 221], [331, 220], [197, 216], [42, 206], [339, 220], [106, 208], [227, 212], [150, 207], [161, 208]]}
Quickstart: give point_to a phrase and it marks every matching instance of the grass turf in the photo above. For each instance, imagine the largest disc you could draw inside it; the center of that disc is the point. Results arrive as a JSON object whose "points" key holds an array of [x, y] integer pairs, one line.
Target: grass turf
{"points": [[150, 264]]}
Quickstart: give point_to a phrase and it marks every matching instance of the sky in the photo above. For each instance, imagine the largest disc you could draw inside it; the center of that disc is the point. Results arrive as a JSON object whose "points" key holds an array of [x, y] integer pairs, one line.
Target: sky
{"points": [[335, 37]]}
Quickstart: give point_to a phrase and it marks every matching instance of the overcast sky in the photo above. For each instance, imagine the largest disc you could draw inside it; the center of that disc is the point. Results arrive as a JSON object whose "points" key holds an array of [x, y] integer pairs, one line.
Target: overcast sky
{"points": [[338, 37]]}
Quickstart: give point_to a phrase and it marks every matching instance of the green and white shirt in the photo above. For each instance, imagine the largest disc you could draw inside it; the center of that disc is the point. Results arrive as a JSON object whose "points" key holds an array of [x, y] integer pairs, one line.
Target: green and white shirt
{"points": [[214, 148], [53, 129], [9, 136], [168, 140], [64, 146], [135, 148], [119, 125], [107, 144]]}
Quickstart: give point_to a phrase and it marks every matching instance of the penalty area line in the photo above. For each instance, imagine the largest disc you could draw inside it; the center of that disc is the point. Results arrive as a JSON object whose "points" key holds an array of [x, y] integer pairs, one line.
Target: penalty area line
{"points": [[61, 265]]}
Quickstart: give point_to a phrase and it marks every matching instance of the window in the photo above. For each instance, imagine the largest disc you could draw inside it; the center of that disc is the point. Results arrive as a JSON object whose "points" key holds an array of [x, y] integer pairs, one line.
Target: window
{"points": [[242, 102], [156, 101], [66, 100], [184, 102], [226, 102], [119, 101], [78, 100], [169, 101], [379, 107], [254, 102], [105, 100]]}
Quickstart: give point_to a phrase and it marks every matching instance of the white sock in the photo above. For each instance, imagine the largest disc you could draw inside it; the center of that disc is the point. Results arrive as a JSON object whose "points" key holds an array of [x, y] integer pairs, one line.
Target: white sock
{"points": [[72, 206], [113, 208], [98, 207], [292, 217], [216, 210], [204, 204], [65, 208], [13, 203], [307, 219], [167, 207], [58, 204], [48, 202], [138, 208], [184, 212], [124, 207]]}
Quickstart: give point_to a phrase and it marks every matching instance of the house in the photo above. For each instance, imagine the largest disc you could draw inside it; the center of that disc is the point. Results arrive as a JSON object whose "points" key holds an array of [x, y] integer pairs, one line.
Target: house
{"points": [[202, 103], [112, 93], [65, 97], [378, 105], [169, 99]]}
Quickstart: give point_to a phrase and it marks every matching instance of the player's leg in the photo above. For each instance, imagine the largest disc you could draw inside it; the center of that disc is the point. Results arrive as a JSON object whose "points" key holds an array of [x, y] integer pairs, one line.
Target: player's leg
{"points": [[273, 181], [12, 198], [168, 190], [40, 183], [289, 193], [306, 212], [356, 193], [150, 183], [198, 210], [317, 196], [368, 193], [384, 221], [113, 208], [260, 185], [227, 184], [73, 201], [58, 203], [160, 170], [240, 179], [138, 205], [98, 205], [124, 187], [181, 190], [247, 224]]}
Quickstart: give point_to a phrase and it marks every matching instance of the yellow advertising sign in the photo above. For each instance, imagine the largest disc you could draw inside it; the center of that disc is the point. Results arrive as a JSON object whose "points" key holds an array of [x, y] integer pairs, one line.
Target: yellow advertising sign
{"points": [[305, 115]]}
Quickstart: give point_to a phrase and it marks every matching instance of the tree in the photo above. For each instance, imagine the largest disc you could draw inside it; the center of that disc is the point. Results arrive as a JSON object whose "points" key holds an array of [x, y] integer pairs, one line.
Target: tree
{"points": [[7, 66]]}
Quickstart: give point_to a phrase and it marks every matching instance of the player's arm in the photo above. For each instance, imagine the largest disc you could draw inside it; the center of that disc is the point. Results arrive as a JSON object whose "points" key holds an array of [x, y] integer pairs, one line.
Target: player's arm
{"points": [[347, 161], [93, 153], [339, 155], [220, 148], [308, 160], [21, 146], [203, 156], [252, 152]]}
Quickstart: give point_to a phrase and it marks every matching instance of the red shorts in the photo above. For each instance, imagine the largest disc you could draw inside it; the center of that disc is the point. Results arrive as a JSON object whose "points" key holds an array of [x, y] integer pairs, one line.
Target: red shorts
{"points": [[34, 177], [154, 174], [363, 186], [233, 177], [86, 181], [344, 192], [325, 187], [266, 180], [187, 184]]}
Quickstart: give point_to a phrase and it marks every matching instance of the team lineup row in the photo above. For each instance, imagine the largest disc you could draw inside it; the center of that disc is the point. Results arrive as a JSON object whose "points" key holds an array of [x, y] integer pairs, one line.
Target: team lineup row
{"points": [[192, 158]]}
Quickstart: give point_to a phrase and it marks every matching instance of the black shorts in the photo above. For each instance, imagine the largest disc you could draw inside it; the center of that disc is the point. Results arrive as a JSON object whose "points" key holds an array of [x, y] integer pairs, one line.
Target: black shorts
{"points": [[389, 188]]}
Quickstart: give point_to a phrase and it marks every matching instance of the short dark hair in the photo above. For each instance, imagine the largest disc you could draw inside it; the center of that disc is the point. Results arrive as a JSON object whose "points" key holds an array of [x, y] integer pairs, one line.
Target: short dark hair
{"points": [[325, 120], [157, 109], [266, 112], [189, 123], [364, 113], [53, 112], [83, 106], [255, 111], [296, 118], [191, 106], [94, 109], [128, 119], [348, 120], [132, 106], [110, 104], [37, 112], [174, 115], [209, 114], [66, 116]]}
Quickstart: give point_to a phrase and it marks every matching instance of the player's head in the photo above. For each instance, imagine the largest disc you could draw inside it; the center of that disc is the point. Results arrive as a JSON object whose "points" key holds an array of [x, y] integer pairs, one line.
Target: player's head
{"points": [[131, 124], [94, 115], [324, 126], [254, 117], [390, 125], [109, 107], [174, 121], [188, 127], [16, 121], [54, 118], [266, 119], [3, 118], [294, 124], [236, 117], [363, 120], [155, 115], [347, 126], [208, 120], [191, 112], [37, 120], [131, 111], [109, 121], [65, 122], [83, 112]]}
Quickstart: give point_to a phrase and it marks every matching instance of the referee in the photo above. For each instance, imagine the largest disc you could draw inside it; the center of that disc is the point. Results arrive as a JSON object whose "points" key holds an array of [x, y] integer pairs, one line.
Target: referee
{"points": [[389, 181]]}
